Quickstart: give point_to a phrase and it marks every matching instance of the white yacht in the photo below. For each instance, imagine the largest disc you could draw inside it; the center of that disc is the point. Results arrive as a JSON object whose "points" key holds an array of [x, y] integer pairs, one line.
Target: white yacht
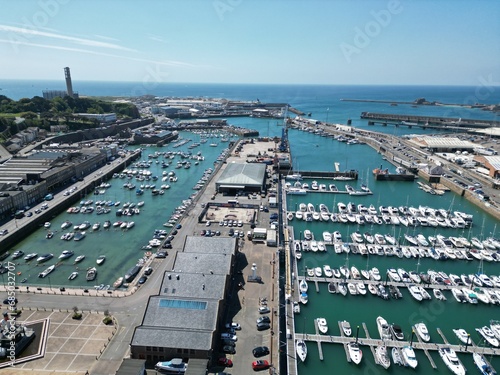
{"points": [[415, 292], [346, 327], [355, 352], [488, 335], [451, 360], [327, 271], [382, 356], [495, 327], [462, 335], [322, 325], [327, 236], [303, 286], [383, 329], [301, 349], [421, 330], [482, 364], [409, 357]]}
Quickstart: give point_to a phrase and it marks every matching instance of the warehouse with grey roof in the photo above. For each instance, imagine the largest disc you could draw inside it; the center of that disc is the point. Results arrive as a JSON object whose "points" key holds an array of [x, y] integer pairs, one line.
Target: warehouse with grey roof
{"points": [[182, 319], [242, 177]]}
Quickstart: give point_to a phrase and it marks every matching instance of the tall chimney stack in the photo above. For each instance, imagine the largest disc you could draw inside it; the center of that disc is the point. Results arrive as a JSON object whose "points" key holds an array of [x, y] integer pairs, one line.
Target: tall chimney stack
{"points": [[69, 85]]}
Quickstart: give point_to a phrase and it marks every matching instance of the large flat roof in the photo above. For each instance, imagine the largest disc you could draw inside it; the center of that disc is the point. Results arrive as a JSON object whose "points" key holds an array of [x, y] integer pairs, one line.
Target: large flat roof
{"points": [[212, 245], [219, 264], [250, 174]]}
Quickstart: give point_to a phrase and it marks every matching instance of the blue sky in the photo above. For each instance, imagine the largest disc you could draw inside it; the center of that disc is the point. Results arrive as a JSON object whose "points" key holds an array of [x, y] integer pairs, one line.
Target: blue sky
{"points": [[450, 42]]}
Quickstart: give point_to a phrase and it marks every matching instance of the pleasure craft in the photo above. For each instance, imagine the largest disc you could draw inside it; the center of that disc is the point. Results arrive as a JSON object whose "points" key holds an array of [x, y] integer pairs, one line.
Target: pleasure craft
{"points": [[393, 275], [91, 274], [421, 330], [462, 335], [66, 254], [361, 289], [372, 289], [327, 236], [355, 273], [482, 364], [73, 275], [397, 357], [346, 328], [495, 327], [439, 294], [44, 258], [375, 274], [369, 237], [47, 271], [301, 349], [322, 325], [101, 259], [352, 289], [30, 256], [308, 235], [303, 287], [397, 332], [337, 236], [382, 356], [409, 357], [304, 298], [79, 258], [355, 352], [451, 360], [383, 329], [488, 335], [318, 272], [342, 288], [327, 271]]}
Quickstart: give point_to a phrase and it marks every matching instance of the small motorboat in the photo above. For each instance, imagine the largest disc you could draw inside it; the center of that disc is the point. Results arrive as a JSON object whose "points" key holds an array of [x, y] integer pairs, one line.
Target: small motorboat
{"points": [[322, 325], [17, 254], [397, 357], [346, 328], [118, 283], [439, 294], [30, 256], [91, 274], [79, 258], [44, 258], [101, 259], [73, 275], [66, 254], [47, 271]]}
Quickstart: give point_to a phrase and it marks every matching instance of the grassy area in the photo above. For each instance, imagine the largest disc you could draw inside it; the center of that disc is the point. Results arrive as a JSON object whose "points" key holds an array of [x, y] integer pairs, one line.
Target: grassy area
{"points": [[11, 115]]}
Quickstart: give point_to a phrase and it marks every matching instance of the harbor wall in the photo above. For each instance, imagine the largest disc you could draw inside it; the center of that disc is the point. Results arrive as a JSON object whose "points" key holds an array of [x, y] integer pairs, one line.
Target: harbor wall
{"points": [[467, 194]]}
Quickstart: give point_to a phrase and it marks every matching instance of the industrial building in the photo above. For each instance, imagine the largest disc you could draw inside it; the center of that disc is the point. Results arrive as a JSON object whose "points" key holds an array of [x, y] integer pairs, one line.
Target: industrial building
{"points": [[443, 144], [248, 177], [182, 320]]}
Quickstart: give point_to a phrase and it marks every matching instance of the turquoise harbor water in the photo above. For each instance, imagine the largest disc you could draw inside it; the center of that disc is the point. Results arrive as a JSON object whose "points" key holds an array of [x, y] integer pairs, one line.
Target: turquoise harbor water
{"points": [[310, 152], [121, 247]]}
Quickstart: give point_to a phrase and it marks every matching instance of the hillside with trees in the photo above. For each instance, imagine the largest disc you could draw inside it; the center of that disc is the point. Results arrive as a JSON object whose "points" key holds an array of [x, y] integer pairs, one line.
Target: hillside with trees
{"points": [[43, 113]]}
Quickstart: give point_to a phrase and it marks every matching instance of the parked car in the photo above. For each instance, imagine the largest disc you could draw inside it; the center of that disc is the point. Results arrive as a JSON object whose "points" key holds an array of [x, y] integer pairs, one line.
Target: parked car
{"points": [[235, 326], [260, 351], [148, 271], [229, 336], [3, 232], [226, 362], [178, 226], [264, 318], [263, 326], [228, 349], [261, 364], [264, 310], [142, 280], [161, 254], [10, 301]]}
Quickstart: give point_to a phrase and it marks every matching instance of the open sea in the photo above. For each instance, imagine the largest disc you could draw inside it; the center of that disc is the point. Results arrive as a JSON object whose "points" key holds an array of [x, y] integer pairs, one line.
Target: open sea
{"points": [[310, 152]]}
